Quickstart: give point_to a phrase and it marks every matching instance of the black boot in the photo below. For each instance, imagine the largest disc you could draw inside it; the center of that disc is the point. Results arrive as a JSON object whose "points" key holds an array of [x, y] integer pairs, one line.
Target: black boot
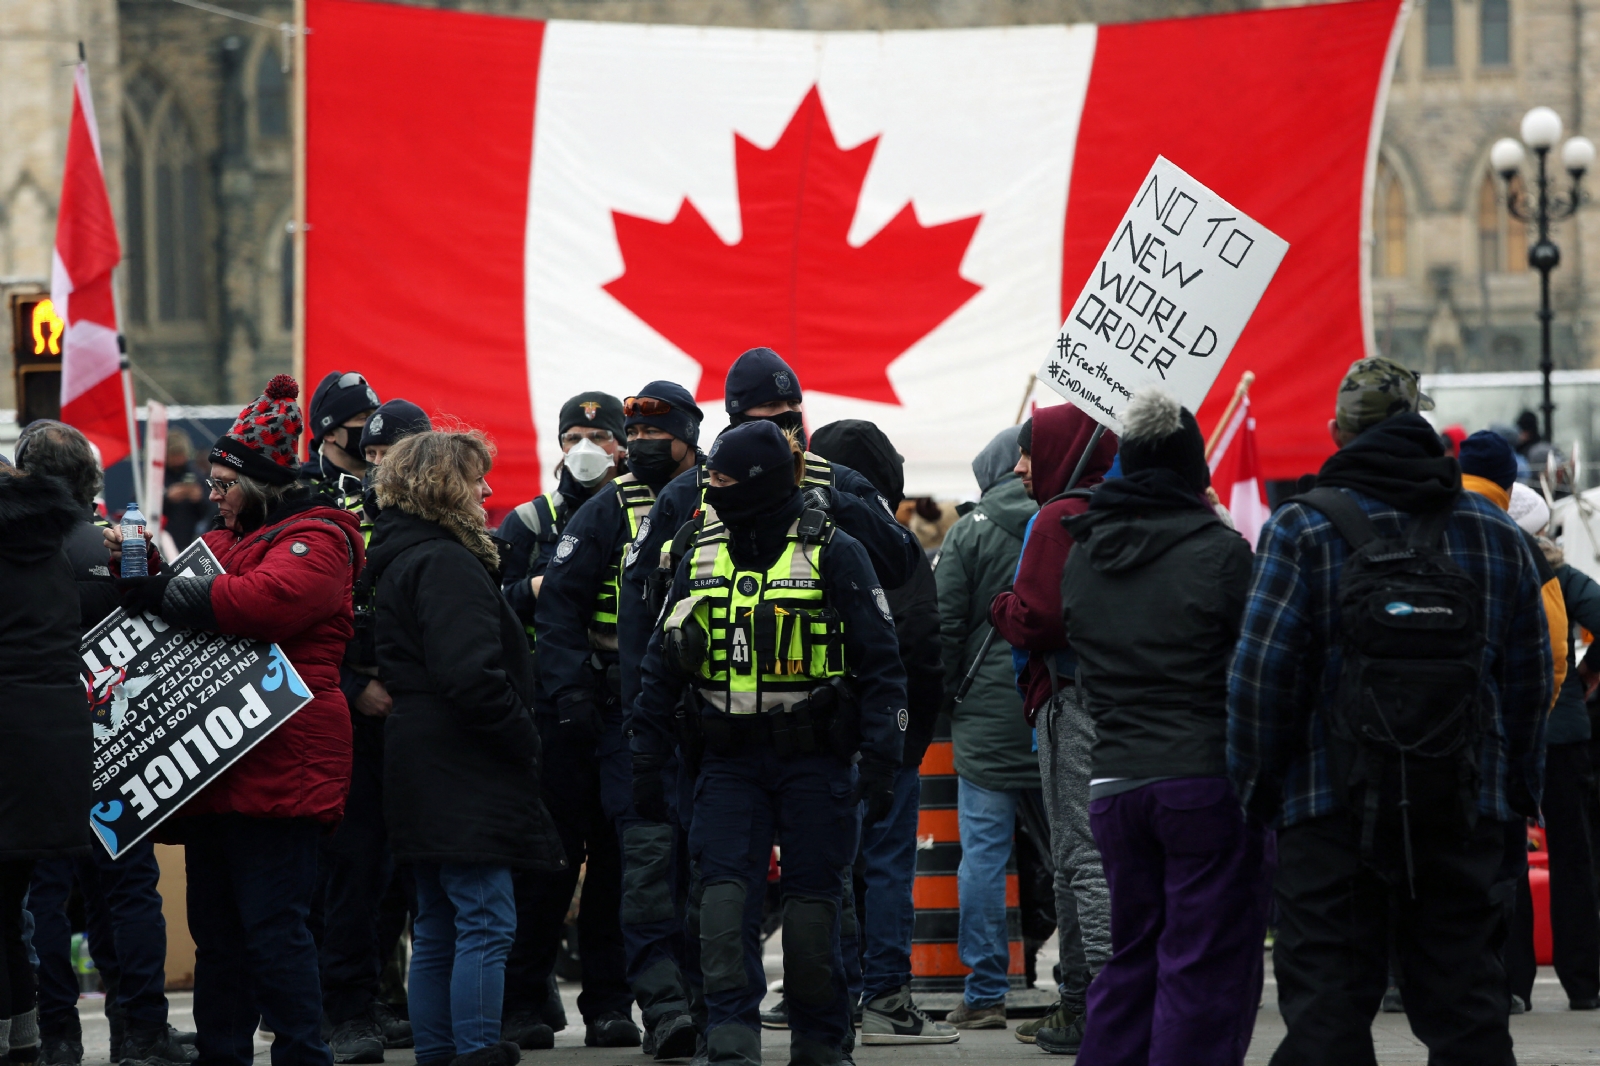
{"points": [[504, 1053]]}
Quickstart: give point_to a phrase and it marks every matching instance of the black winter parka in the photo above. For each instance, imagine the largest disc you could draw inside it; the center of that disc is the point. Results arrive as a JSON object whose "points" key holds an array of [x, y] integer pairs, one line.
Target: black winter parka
{"points": [[46, 736], [461, 755], [1152, 599]]}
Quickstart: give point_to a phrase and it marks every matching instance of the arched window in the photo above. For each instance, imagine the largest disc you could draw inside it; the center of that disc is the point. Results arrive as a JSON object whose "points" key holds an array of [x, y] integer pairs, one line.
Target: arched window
{"points": [[1502, 240], [1440, 27], [1494, 33], [272, 94], [161, 175], [1388, 224]]}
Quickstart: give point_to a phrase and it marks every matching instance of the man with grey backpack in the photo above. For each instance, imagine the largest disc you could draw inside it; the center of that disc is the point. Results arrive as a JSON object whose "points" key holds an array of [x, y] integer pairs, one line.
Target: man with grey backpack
{"points": [[1386, 711]]}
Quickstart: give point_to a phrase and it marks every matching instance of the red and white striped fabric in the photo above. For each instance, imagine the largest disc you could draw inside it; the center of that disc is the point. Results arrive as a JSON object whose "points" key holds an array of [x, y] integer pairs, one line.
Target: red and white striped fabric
{"points": [[1236, 474], [86, 252], [505, 212]]}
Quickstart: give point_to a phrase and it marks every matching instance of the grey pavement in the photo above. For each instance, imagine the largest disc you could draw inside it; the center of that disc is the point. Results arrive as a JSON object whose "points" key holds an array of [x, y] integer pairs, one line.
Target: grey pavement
{"points": [[1549, 1036]]}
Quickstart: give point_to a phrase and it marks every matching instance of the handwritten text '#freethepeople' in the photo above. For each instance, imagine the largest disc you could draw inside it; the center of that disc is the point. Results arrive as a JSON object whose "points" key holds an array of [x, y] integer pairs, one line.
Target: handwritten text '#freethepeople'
{"points": [[1167, 301]]}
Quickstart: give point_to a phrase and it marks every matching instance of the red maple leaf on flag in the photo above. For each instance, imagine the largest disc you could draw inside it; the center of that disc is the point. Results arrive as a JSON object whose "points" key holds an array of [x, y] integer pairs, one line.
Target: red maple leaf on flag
{"points": [[838, 314]]}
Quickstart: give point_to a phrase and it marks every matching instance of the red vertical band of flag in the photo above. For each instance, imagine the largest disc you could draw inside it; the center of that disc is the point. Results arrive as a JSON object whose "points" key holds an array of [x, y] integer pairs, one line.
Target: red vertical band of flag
{"points": [[1273, 110], [419, 124], [1236, 475], [86, 253]]}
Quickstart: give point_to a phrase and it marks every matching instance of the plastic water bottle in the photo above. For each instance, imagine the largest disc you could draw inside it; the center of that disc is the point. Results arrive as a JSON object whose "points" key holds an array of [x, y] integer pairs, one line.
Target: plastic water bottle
{"points": [[134, 562]]}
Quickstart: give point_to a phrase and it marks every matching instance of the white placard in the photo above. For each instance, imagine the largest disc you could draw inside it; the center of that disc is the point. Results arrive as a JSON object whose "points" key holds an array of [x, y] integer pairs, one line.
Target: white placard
{"points": [[1167, 300]]}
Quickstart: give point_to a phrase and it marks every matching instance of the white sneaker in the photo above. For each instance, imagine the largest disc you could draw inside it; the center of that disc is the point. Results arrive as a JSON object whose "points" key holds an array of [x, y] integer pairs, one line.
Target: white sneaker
{"points": [[895, 1019]]}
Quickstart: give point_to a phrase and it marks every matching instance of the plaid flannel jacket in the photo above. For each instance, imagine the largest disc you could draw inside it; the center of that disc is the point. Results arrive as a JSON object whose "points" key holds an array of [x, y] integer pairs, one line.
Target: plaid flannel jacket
{"points": [[1286, 663]]}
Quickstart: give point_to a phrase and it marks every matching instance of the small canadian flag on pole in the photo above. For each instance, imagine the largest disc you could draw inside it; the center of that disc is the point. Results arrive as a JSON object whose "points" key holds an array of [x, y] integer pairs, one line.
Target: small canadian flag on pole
{"points": [[87, 251], [1236, 467]]}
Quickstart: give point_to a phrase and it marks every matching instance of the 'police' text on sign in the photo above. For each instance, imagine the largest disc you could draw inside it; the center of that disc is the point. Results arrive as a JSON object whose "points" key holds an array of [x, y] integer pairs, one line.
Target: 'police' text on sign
{"points": [[1167, 300], [174, 708]]}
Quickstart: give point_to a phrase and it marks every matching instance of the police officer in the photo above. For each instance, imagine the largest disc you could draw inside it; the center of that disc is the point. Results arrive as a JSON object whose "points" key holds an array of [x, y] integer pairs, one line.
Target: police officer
{"points": [[340, 407], [355, 868], [588, 771], [590, 429], [777, 623]]}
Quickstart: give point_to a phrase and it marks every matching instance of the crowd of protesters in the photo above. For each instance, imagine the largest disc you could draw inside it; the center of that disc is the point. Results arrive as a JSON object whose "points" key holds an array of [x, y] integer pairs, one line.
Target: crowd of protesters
{"points": [[678, 658]]}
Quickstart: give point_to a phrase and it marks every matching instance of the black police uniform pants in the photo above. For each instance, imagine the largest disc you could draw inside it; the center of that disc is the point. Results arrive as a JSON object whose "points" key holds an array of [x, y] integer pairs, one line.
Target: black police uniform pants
{"points": [[571, 782], [354, 874], [742, 804], [1574, 911], [1332, 950], [127, 935]]}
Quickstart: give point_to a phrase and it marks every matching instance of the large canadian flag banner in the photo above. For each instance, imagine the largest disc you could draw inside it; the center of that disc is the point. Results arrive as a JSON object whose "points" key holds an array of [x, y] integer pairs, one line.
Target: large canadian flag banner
{"points": [[504, 212]]}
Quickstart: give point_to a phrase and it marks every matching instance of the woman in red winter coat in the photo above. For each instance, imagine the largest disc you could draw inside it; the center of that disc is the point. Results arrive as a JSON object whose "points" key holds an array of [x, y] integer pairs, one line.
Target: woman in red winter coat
{"points": [[288, 561]]}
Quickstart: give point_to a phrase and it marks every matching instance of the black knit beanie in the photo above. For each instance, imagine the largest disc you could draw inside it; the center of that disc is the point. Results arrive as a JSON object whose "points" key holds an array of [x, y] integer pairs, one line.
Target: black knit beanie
{"points": [[1157, 431]]}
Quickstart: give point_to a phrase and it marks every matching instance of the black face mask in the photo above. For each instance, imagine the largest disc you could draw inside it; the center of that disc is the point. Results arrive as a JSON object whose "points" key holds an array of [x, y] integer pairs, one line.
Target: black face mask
{"points": [[786, 421], [748, 503], [650, 459]]}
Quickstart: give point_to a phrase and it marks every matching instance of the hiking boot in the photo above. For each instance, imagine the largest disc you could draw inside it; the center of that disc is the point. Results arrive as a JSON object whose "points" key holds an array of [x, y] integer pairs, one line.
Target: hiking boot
{"points": [[777, 1017], [62, 1050], [152, 1047], [1064, 1041], [187, 1040], [525, 1029], [895, 1019], [1058, 1018], [969, 1017], [674, 1037], [611, 1029], [504, 1053], [395, 1030], [357, 1039], [1392, 1003]]}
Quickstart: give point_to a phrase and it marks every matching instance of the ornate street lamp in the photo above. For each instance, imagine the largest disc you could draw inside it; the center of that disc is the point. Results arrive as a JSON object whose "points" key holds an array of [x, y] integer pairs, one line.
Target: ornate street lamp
{"points": [[1541, 129]]}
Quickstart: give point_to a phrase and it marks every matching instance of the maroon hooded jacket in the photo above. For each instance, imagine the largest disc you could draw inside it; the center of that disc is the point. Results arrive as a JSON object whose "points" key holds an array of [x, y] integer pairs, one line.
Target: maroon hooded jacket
{"points": [[1029, 616]]}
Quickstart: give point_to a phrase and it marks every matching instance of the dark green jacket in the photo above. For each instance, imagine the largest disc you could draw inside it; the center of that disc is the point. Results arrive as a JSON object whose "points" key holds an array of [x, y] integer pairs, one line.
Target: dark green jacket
{"points": [[993, 744]]}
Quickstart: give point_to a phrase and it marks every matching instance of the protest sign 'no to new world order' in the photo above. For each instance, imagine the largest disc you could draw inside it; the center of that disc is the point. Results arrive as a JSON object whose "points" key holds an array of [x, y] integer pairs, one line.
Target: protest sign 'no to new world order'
{"points": [[174, 708], [1167, 300]]}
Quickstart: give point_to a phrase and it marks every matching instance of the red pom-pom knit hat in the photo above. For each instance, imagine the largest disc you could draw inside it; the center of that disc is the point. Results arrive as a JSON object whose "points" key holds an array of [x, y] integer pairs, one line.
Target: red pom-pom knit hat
{"points": [[265, 438]]}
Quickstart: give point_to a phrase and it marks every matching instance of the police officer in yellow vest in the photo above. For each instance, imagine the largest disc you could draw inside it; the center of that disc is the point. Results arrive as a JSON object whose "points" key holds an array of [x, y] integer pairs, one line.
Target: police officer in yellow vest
{"points": [[587, 769], [777, 624]]}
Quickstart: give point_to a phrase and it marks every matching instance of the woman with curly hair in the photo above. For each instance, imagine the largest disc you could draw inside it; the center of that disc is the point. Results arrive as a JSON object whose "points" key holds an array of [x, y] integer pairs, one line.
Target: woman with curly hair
{"points": [[461, 755]]}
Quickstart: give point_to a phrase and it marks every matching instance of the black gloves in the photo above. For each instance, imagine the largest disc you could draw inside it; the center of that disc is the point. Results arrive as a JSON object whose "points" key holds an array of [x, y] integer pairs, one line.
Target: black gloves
{"points": [[875, 786], [141, 595], [581, 715], [649, 793]]}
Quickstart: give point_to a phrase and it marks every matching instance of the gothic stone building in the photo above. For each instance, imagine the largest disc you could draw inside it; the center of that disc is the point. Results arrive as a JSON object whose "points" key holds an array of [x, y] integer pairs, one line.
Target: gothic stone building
{"points": [[195, 121]]}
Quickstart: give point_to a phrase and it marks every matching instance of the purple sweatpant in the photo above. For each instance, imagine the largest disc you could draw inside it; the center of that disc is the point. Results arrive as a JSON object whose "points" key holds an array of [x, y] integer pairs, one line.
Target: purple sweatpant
{"points": [[1190, 880]]}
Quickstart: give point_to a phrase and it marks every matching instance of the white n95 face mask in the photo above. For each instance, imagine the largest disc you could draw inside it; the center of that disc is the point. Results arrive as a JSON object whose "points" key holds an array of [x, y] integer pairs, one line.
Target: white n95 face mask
{"points": [[589, 463]]}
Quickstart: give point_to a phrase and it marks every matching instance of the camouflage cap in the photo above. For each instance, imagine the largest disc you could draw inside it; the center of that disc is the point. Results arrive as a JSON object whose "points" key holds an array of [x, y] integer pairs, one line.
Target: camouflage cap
{"points": [[1373, 390]]}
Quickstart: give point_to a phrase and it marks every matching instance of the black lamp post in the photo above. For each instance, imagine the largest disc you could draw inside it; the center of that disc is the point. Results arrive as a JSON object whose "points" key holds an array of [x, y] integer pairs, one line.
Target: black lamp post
{"points": [[1541, 129]]}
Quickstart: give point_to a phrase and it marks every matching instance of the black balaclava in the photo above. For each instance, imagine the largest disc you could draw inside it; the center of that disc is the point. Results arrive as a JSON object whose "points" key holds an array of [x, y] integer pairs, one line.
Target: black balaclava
{"points": [[864, 448], [759, 509], [650, 459], [761, 376], [339, 397]]}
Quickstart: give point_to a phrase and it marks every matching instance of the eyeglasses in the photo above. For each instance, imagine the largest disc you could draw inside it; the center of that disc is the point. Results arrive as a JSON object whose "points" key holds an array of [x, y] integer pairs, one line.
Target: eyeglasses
{"points": [[599, 436], [645, 406], [349, 378], [221, 487]]}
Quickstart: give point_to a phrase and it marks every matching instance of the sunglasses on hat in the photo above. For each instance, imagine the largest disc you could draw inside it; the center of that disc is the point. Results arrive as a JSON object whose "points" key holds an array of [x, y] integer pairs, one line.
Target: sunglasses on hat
{"points": [[644, 407]]}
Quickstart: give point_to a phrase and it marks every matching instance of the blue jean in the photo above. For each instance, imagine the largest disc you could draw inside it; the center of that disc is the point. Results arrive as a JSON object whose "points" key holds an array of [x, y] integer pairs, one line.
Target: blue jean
{"points": [[881, 963], [250, 882], [988, 821], [466, 920]]}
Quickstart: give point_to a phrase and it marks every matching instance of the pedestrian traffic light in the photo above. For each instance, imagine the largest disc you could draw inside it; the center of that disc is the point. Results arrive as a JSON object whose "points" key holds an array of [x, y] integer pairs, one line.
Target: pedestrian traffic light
{"points": [[36, 336]]}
